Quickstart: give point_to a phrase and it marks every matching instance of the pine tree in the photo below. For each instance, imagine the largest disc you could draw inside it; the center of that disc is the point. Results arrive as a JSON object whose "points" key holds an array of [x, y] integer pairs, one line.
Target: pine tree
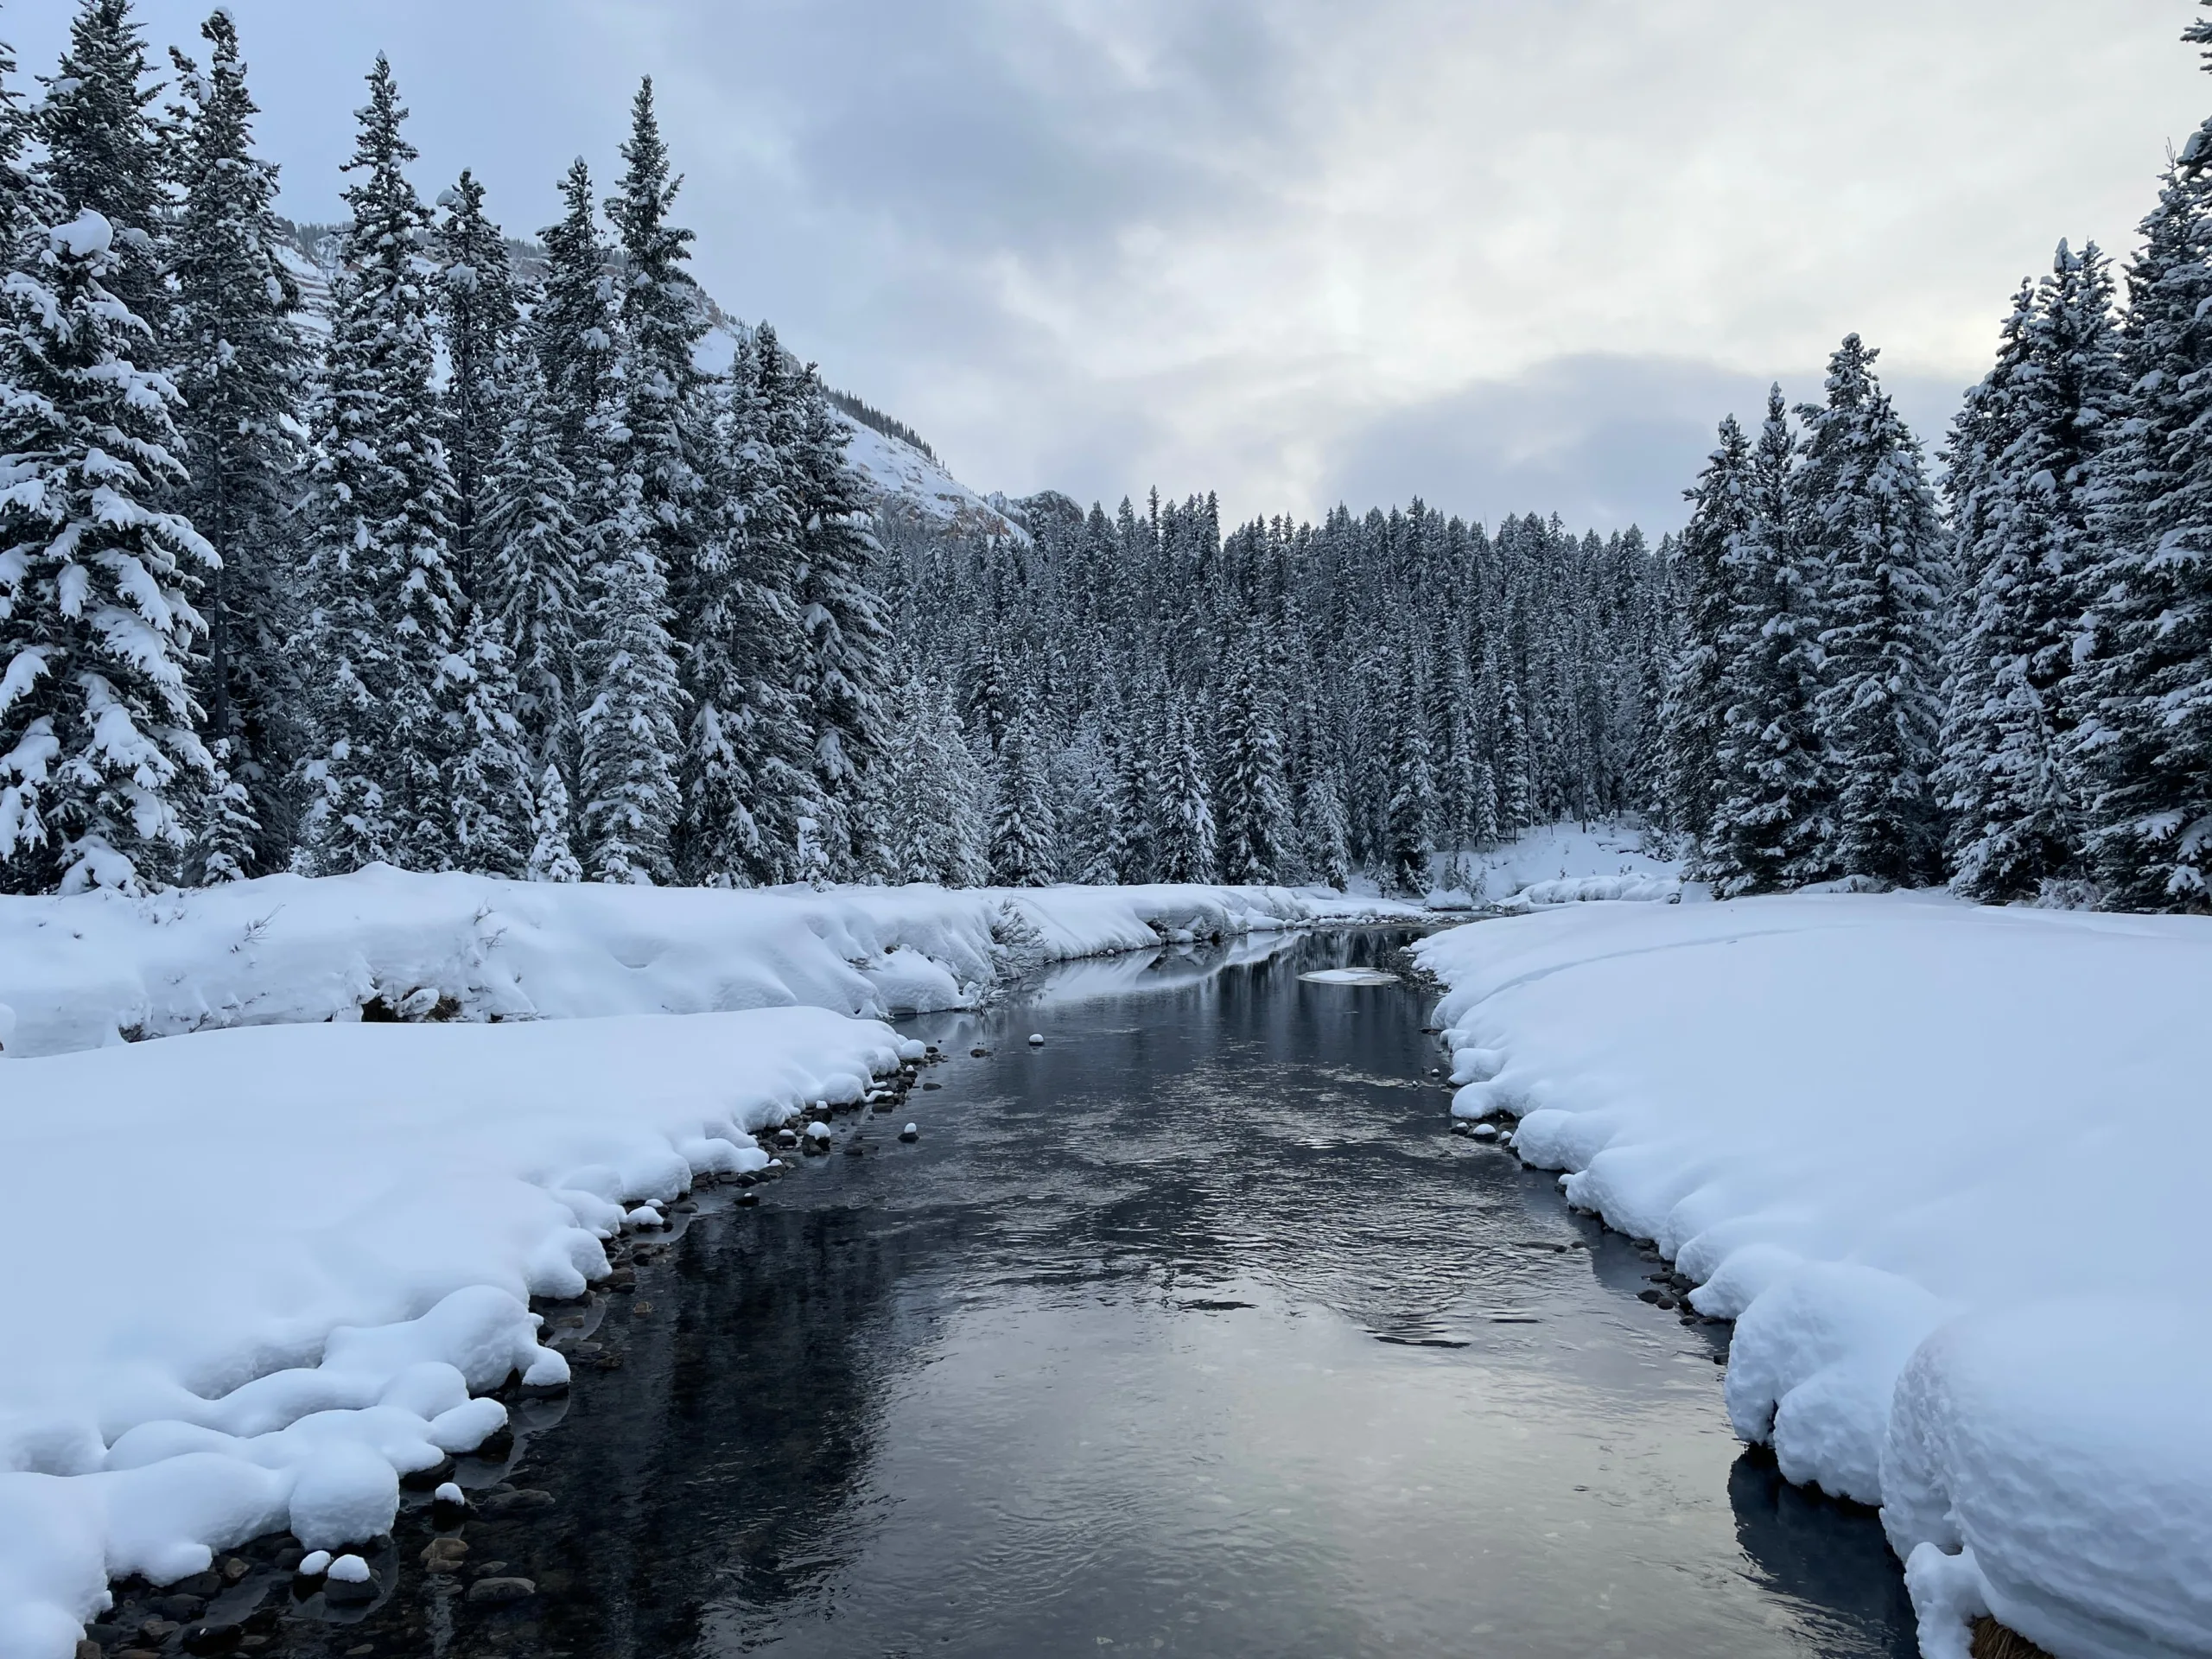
{"points": [[1410, 817], [226, 829], [552, 856], [1024, 851], [1254, 808], [747, 779], [488, 777], [1328, 853], [2141, 752], [1773, 824], [1691, 717], [476, 294], [27, 205], [629, 733], [101, 769], [1872, 519], [1485, 820], [1516, 807], [2020, 459], [1185, 834], [386, 609], [842, 667], [237, 357], [102, 153], [531, 564]]}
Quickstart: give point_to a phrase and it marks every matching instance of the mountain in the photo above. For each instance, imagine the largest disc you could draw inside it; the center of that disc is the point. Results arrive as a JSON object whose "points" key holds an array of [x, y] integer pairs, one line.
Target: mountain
{"points": [[909, 481]]}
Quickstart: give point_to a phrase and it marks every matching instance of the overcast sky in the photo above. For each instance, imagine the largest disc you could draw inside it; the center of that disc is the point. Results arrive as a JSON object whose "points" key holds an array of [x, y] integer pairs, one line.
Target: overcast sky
{"points": [[1508, 255]]}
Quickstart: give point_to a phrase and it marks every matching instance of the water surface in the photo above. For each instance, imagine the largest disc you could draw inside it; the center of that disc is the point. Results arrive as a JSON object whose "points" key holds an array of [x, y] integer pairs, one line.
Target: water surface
{"points": [[1191, 1332]]}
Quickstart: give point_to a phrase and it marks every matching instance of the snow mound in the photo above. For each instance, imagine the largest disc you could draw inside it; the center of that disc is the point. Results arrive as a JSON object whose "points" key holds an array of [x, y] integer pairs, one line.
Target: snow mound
{"points": [[1943, 1165], [97, 969], [1560, 864], [312, 1256]]}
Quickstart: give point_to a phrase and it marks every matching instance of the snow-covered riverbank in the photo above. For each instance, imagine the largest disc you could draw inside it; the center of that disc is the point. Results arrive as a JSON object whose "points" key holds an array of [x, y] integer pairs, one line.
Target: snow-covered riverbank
{"points": [[1945, 1166], [99, 968], [280, 1255]]}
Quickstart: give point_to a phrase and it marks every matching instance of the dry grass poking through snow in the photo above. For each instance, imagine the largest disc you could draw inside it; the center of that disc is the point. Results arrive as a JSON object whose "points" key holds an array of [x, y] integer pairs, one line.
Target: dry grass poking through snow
{"points": [[1993, 1640]]}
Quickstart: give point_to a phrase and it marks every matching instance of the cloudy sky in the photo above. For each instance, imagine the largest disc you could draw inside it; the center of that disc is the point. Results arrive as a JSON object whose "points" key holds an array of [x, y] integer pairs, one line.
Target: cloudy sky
{"points": [[1508, 255]]}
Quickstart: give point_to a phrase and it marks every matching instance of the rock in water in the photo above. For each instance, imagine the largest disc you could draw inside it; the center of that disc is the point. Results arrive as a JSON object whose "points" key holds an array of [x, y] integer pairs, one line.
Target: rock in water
{"points": [[912, 1132], [1036, 1039]]}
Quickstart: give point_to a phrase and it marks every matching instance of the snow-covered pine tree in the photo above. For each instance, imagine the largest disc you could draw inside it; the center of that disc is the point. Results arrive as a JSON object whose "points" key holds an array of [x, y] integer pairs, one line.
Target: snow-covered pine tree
{"points": [[1024, 839], [1516, 806], [531, 557], [488, 775], [843, 630], [1772, 824], [26, 205], [225, 829], [552, 853], [630, 732], [1692, 714], [477, 297], [384, 610], [2020, 475], [1484, 821], [1328, 852], [1185, 833], [1872, 524], [237, 357], [1409, 819], [102, 770], [747, 781], [102, 152], [575, 329], [2141, 752], [1254, 808]]}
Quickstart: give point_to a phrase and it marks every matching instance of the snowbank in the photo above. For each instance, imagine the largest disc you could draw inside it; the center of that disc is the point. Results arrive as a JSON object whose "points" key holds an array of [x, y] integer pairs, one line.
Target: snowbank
{"points": [[97, 969], [1945, 1166], [1560, 864], [282, 1266]]}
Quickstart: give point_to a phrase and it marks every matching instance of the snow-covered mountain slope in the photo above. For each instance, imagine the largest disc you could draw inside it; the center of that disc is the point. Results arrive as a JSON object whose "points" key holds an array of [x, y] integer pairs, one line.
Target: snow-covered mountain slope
{"points": [[907, 483]]}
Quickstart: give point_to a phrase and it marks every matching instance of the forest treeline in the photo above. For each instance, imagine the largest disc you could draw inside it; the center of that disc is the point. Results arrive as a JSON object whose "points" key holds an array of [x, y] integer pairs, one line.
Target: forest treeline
{"points": [[473, 564], [2012, 690]]}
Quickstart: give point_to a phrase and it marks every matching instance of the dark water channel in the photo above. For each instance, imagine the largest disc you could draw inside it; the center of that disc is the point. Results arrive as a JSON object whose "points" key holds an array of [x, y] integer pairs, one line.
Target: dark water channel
{"points": [[1192, 1332]]}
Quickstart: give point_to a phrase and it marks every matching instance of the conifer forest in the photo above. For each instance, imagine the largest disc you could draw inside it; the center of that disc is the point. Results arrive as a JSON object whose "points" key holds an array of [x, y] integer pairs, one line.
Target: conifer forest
{"points": [[414, 541]]}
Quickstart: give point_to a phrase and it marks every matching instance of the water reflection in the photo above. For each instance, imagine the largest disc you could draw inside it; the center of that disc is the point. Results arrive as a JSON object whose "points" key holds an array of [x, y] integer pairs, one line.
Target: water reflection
{"points": [[1190, 1331]]}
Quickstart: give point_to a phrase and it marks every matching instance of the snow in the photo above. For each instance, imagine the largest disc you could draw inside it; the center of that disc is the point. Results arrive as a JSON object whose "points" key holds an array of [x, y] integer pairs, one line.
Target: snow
{"points": [[99, 969], [903, 476], [1349, 976], [1943, 1166], [316, 1236], [1559, 864]]}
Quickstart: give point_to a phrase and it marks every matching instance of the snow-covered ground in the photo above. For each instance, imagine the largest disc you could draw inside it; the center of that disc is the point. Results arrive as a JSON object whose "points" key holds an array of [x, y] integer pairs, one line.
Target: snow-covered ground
{"points": [[1557, 864], [1946, 1168], [99, 968], [282, 1259]]}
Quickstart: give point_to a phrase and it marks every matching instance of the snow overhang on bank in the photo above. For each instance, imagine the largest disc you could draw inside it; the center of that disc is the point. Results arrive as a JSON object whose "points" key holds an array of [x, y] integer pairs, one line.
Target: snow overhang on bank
{"points": [[1944, 1166]]}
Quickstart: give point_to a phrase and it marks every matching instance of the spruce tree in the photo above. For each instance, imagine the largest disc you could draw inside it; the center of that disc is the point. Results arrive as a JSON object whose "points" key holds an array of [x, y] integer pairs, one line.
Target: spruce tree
{"points": [[1691, 717], [1516, 807], [629, 733], [2141, 750], [532, 560], [488, 777], [1328, 852], [385, 607], [2019, 477], [1773, 824], [1409, 826], [236, 355], [102, 770], [552, 854], [1254, 806], [477, 298], [1024, 850], [1871, 521], [1185, 834], [747, 780], [103, 153], [842, 665]]}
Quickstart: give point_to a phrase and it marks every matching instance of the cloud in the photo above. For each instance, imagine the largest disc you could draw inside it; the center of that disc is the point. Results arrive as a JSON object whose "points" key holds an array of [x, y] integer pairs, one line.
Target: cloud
{"points": [[1287, 249]]}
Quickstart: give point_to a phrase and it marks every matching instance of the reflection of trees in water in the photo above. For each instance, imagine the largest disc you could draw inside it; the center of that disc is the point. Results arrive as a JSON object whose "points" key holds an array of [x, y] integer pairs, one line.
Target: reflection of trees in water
{"points": [[1831, 1557], [715, 1483]]}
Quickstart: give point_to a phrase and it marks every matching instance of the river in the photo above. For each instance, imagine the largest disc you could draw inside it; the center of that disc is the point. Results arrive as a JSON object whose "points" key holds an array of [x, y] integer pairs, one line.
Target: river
{"points": [[1192, 1330]]}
